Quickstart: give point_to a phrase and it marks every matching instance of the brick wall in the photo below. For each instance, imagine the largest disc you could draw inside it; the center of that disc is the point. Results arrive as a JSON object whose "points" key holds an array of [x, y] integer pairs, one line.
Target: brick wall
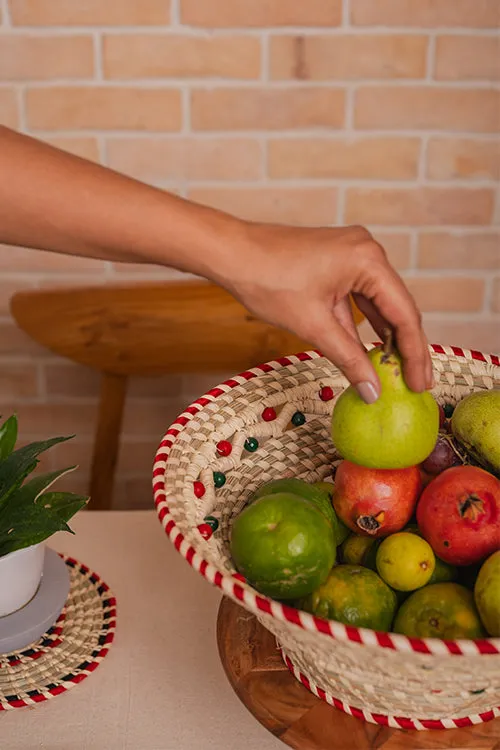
{"points": [[382, 112]]}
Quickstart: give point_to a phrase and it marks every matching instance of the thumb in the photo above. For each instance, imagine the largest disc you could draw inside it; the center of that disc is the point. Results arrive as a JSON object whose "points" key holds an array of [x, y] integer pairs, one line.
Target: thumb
{"points": [[350, 356]]}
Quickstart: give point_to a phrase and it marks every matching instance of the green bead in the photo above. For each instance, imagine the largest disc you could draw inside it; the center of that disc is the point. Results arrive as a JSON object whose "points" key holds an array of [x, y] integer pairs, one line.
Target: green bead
{"points": [[219, 479], [251, 445], [448, 410], [212, 522], [298, 419]]}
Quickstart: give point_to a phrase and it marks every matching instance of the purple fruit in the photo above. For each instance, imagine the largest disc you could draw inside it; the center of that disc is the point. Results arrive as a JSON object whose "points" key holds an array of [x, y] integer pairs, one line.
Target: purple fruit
{"points": [[444, 456]]}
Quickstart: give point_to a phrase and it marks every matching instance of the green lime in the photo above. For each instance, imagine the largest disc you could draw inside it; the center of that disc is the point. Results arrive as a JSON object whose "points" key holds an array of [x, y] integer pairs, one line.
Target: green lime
{"points": [[283, 545], [340, 529], [358, 550], [405, 561], [355, 596], [487, 594], [442, 610], [443, 572]]}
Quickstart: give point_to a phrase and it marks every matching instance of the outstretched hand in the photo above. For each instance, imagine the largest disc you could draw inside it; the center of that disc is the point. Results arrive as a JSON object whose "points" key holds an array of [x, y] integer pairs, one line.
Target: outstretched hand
{"points": [[301, 279]]}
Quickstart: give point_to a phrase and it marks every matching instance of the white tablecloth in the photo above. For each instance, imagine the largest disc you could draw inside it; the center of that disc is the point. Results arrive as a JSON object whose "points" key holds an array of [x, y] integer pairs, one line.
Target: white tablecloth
{"points": [[162, 686]]}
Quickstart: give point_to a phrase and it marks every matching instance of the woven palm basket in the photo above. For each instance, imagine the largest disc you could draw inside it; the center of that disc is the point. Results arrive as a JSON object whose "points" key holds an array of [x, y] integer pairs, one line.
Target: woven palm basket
{"points": [[273, 422]]}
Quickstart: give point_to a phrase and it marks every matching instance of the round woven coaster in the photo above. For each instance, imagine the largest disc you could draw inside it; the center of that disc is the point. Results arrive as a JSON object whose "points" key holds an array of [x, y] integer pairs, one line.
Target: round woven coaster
{"points": [[69, 651]]}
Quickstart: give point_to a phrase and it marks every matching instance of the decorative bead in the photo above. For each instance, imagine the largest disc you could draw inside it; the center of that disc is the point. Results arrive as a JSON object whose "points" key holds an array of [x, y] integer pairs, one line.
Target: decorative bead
{"points": [[298, 419], [199, 489], [269, 414], [251, 445], [326, 393], [205, 530], [224, 448], [219, 479], [212, 522], [239, 577], [448, 410]]}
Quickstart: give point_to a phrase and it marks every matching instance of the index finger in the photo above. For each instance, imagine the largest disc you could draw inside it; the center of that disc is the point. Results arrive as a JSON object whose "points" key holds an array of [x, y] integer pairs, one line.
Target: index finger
{"points": [[395, 304]]}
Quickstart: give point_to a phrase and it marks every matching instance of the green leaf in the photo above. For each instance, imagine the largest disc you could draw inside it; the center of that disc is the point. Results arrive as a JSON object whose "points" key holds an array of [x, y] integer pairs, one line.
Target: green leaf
{"points": [[31, 490], [8, 437], [30, 515], [27, 526], [64, 504], [16, 467]]}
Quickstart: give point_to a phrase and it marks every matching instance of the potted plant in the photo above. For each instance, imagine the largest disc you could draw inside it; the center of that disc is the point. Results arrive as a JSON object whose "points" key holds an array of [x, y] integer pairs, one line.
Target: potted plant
{"points": [[30, 512]]}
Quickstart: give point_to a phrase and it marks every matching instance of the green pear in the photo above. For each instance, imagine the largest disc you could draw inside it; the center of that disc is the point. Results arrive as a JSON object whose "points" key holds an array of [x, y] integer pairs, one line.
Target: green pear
{"points": [[476, 425], [399, 430]]}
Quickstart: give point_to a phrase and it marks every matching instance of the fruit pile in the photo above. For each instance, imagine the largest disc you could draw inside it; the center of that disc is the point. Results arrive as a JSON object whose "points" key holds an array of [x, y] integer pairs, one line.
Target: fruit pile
{"points": [[407, 536]]}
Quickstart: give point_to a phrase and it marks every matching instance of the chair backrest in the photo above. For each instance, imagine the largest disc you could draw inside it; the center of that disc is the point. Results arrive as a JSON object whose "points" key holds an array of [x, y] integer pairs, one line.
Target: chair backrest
{"points": [[150, 329]]}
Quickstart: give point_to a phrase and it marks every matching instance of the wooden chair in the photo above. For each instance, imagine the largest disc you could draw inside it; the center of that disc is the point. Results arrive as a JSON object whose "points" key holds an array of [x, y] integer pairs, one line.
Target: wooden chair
{"points": [[145, 330]]}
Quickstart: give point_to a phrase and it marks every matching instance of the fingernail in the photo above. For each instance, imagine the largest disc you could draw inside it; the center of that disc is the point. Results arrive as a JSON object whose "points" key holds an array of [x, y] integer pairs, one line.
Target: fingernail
{"points": [[367, 391]]}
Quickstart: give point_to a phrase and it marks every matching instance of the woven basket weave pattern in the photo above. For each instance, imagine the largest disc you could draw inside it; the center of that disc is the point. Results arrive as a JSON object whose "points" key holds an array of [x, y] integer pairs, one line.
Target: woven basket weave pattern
{"points": [[400, 679]]}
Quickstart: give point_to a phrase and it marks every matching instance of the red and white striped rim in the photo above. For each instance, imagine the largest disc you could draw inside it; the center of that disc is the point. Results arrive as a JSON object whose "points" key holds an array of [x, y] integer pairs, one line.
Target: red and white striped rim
{"points": [[260, 604], [395, 722], [50, 687]]}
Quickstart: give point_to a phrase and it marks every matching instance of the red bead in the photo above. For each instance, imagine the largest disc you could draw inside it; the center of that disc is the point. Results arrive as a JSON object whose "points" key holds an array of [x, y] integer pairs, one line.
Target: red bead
{"points": [[205, 530], [269, 414], [326, 393], [224, 448], [199, 489]]}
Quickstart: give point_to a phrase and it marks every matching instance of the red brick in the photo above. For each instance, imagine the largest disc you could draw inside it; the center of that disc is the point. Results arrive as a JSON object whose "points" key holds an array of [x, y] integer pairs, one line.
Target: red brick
{"points": [[161, 55], [222, 14], [423, 108], [415, 206], [476, 251], [431, 13], [460, 58], [89, 13], [24, 58], [350, 56], [267, 109], [186, 158], [18, 381], [365, 158], [300, 206], [447, 293], [104, 108], [463, 158]]}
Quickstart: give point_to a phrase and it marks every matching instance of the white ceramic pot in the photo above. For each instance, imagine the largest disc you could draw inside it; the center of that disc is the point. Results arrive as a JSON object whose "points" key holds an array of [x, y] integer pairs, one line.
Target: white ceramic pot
{"points": [[20, 576]]}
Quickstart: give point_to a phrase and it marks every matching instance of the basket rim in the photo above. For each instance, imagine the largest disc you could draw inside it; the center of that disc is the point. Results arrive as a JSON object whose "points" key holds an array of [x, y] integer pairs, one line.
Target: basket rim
{"points": [[241, 591]]}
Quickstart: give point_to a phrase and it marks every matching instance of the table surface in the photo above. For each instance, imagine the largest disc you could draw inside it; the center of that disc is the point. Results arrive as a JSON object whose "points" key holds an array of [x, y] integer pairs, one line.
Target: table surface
{"points": [[162, 686]]}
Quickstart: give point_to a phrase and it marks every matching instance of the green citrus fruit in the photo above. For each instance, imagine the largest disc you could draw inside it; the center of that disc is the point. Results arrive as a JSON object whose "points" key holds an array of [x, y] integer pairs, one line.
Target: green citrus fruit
{"points": [[283, 545], [340, 529], [443, 572], [355, 596], [318, 495], [487, 594], [359, 550], [405, 561], [442, 610]]}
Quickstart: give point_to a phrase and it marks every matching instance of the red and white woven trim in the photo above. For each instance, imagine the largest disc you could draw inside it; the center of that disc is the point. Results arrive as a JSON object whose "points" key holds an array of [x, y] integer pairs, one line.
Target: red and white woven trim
{"points": [[395, 722], [77, 675], [236, 588]]}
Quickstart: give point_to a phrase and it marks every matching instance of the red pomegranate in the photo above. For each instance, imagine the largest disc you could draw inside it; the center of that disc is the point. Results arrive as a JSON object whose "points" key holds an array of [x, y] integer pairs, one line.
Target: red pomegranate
{"points": [[375, 502], [459, 515]]}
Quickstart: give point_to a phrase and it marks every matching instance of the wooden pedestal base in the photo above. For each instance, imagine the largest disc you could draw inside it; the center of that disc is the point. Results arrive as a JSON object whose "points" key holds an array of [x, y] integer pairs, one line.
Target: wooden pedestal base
{"points": [[261, 680]]}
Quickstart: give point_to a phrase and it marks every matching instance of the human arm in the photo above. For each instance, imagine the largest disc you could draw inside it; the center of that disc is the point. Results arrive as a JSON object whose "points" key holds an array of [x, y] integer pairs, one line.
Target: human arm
{"points": [[296, 278]]}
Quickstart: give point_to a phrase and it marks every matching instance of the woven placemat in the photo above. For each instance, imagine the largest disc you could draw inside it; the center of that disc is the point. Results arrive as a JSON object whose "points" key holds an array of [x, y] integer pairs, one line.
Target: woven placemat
{"points": [[69, 651]]}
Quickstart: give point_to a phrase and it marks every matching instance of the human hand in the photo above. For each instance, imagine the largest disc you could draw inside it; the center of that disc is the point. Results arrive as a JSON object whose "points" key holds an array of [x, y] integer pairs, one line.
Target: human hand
{"points": [[300, 279]]}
